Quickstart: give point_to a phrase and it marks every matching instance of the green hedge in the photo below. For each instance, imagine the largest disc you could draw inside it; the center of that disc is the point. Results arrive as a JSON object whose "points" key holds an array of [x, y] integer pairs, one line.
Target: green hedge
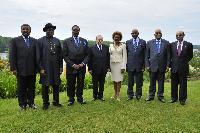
{"points": [[8, 84]]}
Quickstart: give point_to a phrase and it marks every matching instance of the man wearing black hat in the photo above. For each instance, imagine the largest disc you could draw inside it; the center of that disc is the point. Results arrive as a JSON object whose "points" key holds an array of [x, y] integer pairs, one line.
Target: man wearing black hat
{"points": [[22, 56], [75, 53], [51, 65]]}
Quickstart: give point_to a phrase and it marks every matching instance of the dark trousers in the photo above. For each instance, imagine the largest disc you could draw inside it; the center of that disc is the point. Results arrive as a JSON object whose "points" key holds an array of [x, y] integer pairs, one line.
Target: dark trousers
{"points": [[45, 94], [138, 77], [78, 80], [160, 77], [26, 89], [179, 78], [98, 81]]}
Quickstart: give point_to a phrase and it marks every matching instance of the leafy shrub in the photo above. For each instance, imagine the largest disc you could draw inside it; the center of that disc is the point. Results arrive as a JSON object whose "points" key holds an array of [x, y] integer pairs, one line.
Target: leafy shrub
{"points": [[7, 84]]}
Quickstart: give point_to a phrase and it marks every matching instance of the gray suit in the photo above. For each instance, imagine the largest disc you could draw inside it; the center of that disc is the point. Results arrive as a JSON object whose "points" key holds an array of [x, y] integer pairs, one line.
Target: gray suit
{"points": [[157, 62], [74, 54], [135, 64]]}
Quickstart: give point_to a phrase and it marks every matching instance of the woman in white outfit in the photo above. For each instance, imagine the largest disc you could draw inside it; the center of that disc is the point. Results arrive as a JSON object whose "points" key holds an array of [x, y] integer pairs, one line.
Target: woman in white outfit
{"points": [[118, 59]]}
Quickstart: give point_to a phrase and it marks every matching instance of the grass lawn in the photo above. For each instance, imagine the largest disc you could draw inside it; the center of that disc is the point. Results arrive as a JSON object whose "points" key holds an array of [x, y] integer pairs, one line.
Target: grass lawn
{"points": [[108, 116]]}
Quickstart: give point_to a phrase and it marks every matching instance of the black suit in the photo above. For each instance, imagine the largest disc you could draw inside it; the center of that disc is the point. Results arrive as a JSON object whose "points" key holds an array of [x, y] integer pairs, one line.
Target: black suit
{"points": [[180, 70], [99, 63], [23, 60], [157, 62], [74, 54]]}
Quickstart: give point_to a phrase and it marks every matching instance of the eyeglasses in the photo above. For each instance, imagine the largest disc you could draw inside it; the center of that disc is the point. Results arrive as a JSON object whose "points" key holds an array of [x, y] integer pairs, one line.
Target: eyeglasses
{"points": [[134, 33], [158, 33], [179, 35]]}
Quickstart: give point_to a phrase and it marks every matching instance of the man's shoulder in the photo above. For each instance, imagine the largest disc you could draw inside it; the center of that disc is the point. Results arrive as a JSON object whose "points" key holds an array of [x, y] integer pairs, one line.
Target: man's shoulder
{"points": [[142, 40], [150, 41], [165, 41], [188, 43]]}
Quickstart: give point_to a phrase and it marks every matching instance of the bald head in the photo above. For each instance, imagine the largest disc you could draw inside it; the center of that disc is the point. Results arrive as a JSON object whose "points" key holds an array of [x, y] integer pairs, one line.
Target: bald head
{"points": [[135, 33], [99, 39], [158, 34]]}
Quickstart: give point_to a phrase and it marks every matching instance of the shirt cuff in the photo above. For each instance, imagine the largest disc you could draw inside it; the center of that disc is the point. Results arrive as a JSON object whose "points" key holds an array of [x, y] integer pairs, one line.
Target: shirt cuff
{"points": [[83, 63]]}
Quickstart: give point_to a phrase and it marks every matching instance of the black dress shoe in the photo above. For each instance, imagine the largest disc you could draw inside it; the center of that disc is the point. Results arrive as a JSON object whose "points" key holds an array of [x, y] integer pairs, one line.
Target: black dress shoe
{"points": [[172, 101], [70, 103], [138, 97], [82, 102], [23, 108], [57, 104], [161, 100], [129, 98], [45, 107], [33, 106], [94, 99], [182, 102], [102, 99], [149, 99]]}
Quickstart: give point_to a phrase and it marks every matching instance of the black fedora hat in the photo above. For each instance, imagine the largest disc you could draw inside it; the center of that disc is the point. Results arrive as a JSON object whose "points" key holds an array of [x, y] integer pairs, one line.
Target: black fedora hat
{"points": [[47, 26]]}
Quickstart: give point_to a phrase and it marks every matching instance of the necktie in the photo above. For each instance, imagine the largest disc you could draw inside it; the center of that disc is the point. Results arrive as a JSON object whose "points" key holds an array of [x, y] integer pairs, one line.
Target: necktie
{"points": [[158, 47], [27, 42], [179, 49], [135, 44], [76, 41]]}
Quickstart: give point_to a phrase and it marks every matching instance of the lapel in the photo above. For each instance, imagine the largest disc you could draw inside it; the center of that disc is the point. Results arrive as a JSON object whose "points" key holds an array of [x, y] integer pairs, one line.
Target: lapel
{"points": [[73, 44], [162, 46], [23, 42], [184, 47], [97, 50], [154, 46]]}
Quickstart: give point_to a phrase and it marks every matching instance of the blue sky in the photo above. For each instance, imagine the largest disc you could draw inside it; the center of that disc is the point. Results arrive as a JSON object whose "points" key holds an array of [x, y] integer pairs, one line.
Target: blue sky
{"points": [[103, 17]]}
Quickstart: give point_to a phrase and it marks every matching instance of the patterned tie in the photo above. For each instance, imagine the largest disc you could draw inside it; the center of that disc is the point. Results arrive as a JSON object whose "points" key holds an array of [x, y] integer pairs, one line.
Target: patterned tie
{"points": [[76, 41], [179, 49], [27, 42], [158, 47], [135, 44]]}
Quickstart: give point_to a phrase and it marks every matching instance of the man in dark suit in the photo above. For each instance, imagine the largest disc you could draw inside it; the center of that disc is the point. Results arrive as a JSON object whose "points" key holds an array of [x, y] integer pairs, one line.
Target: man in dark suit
{"points": [[135, 64], [181, 54], [75, 53], [23, 64], [157, 60], [99, 64], [51, 65]]}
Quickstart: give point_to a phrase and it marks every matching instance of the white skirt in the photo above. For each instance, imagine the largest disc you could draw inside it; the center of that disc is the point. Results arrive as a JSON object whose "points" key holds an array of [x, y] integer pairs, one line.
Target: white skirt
{"points": [[116, 71]]}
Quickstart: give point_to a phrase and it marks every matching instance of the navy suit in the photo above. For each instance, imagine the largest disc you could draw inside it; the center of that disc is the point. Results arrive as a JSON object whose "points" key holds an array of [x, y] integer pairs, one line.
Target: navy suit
{"points": [[99, 63], [23, 59], [180, 70], [135, 66], [74, 54], [157, 62]]}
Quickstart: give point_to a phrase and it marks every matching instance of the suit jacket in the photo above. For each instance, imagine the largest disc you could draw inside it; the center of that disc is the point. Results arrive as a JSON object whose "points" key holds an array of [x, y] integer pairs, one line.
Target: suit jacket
{"points": [[135, 58], [157, 61], [73, 54], [99, 61], [180, 63], [23, 58], [118, 55]]}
